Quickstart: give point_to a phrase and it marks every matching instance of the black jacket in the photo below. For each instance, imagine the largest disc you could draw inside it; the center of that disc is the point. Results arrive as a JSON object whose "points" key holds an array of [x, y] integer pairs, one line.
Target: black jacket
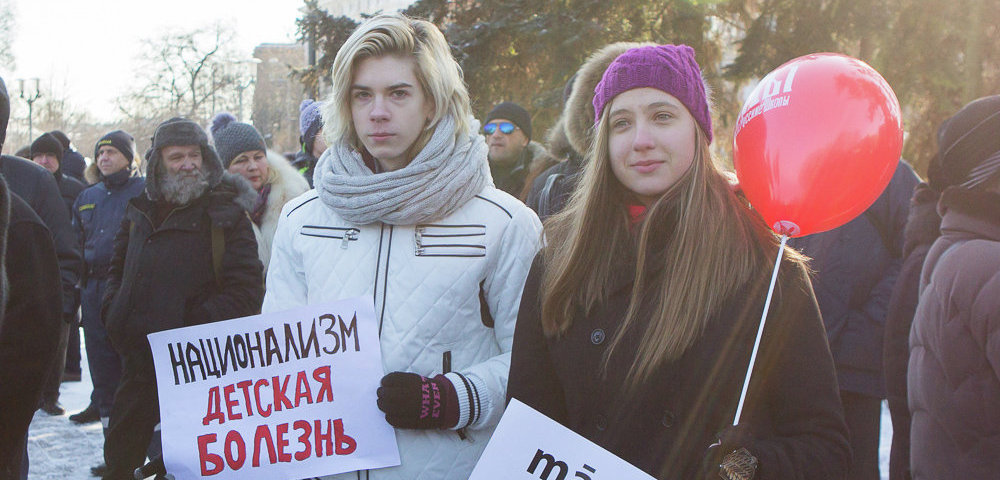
{"points": [[72, 165], [793, 407], [856, 266], [550, 191], [36, 186], [305, 163], [30, 333], [162, 277], [922, 228], [69, 189]]}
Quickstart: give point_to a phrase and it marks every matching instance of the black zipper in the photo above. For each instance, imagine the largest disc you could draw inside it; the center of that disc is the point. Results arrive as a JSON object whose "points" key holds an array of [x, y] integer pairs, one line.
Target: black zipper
{"points": [[446, 368], [421, 231], [378, 268], [385, 273], [349, 234]]}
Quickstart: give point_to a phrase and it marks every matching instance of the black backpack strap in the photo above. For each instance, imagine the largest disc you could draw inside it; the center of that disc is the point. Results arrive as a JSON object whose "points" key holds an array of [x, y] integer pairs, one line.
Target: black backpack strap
{"points": [[545, 198]]}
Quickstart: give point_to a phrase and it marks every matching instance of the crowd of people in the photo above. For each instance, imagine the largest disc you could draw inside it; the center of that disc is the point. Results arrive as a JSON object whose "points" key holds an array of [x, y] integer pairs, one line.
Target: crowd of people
{"points": [[611, 276]]}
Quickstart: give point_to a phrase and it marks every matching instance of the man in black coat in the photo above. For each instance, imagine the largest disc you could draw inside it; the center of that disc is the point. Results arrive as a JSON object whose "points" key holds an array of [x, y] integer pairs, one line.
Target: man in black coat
{"points": [[37, 187], [73, 164], [69, 177], [31, 317], [185, 255], [47, 151], [39, 190]]}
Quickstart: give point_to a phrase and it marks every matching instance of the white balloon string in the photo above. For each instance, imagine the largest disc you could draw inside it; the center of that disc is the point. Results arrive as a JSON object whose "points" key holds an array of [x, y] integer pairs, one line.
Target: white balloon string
{"points": [[760, 330]]}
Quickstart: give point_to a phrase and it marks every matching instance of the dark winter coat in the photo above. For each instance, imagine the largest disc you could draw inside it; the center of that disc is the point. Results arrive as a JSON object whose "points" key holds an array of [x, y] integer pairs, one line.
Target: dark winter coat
{"points": [[551, 190], [69, 189], [855, 268], [793, 407], [162, 277], [954, 369], [97, 216], [4, 222], [30, 333], [73, 164], [922, 228], [305, 163], [533, 159], [36, 186]]}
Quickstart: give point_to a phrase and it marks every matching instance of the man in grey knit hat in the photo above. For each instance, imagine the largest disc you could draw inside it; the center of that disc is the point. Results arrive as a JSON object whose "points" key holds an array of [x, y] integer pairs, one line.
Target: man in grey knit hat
{"points": [[185, 255]]}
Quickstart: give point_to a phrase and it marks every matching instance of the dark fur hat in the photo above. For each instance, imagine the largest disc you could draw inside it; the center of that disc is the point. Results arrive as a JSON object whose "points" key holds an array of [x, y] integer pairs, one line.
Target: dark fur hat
{"points": [[174, 132]]}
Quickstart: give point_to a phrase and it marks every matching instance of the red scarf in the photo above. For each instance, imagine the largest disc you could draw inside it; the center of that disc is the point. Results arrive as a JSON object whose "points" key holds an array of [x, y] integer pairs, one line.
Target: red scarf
{"points": [[636, 213]]}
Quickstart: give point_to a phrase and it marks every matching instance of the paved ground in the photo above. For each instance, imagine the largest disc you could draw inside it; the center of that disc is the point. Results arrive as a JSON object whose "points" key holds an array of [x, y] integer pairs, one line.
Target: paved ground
{"points": [[61, 450]]}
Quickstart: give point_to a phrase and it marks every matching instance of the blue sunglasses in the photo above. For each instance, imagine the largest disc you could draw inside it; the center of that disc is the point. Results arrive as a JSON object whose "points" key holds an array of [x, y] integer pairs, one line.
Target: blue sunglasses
{"points": [[506, 127]]}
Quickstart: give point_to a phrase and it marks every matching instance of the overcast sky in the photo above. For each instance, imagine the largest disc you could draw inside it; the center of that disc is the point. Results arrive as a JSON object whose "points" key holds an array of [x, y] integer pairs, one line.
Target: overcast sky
{"points": [[85, 49]]}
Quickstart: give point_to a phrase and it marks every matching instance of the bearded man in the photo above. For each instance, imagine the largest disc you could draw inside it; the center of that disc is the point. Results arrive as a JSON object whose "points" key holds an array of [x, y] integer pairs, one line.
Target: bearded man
{"points": [[185, 255]]}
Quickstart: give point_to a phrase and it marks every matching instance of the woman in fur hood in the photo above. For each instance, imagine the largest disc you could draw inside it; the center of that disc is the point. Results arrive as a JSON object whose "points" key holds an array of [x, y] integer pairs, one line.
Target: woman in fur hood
{"points": [[569, 139], [243, 152]]}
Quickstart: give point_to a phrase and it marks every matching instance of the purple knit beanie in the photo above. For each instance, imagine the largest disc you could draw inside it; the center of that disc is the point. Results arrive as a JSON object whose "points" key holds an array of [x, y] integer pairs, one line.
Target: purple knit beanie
{"points": [[310, 118], [670, 68]]}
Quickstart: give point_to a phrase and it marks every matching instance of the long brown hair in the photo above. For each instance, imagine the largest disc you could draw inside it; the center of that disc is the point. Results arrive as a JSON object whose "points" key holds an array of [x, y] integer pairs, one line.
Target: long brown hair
{"points": [[716, 247]]}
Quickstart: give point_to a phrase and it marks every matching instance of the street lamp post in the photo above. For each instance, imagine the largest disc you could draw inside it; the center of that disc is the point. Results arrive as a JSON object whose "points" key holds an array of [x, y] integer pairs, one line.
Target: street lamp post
{"points": [[239, 92], [242, 84], [30, 98]]}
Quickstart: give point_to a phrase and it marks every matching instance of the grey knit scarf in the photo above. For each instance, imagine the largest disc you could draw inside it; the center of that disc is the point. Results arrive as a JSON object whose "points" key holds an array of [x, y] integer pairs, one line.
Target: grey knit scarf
{"points": [[439, 180]]}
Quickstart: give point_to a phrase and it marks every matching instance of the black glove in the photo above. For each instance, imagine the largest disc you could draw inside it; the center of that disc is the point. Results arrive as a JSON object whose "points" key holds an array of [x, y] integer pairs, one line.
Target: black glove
{"points": [[414, 401], [728, 458]]}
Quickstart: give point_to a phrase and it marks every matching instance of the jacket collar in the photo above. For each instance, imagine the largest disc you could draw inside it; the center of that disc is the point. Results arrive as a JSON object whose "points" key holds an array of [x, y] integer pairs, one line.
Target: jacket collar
{"points": [[116, 180], [972, 212]]}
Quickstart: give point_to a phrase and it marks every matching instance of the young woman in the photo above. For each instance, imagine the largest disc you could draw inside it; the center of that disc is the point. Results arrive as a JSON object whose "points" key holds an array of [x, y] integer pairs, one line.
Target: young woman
{"points": [[405, 213], [243, 152], [639, 316]]}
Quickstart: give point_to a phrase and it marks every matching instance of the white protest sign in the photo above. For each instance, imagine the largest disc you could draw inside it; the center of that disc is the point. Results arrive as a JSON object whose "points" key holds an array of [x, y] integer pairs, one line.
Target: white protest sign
{"points": [[276, 396], [528, 445]]}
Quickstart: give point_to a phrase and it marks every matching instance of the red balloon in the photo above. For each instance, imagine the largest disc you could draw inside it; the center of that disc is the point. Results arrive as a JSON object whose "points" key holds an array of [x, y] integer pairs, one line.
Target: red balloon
{"points": [[816, 143]]}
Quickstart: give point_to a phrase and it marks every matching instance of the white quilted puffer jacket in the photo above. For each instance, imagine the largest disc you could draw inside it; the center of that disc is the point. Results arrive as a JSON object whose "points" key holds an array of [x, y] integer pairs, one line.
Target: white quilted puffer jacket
{"points": [[445, 290]]}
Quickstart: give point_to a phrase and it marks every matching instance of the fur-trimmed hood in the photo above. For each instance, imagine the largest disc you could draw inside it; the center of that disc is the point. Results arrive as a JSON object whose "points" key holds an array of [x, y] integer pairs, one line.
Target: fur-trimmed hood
{"points": [[245, 195], [577, 118], [180, 131], [286, 183], [92, 174], [557, 142], [538, 157]]}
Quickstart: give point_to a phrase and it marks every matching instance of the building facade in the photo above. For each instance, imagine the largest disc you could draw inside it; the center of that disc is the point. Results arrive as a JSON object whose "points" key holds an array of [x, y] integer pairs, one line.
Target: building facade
{"points": [[277, 94]]}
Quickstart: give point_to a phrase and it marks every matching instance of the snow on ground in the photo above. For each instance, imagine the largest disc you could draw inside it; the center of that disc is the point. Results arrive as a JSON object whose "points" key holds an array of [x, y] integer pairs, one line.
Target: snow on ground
{"points": [[61, 450]]}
